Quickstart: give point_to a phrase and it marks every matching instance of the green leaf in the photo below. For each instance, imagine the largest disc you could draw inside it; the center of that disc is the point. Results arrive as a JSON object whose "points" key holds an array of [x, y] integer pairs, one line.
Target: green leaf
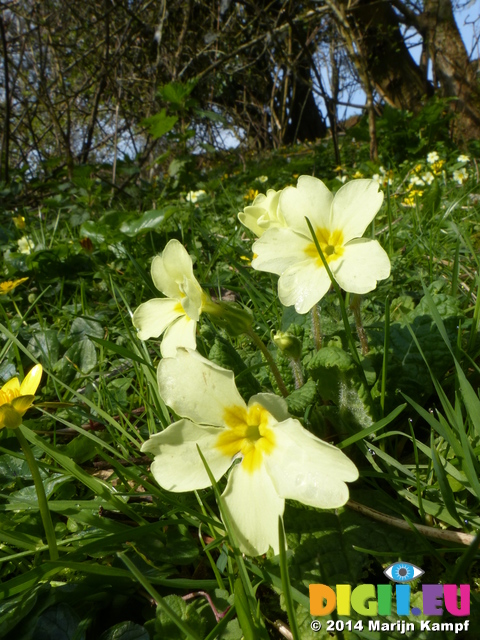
{"points": [[94, 231], [339, 381], [14, 610], [223, 354], [299, 399], [177, 92], [85, 328], [166, 629], [12, 468], [44, 346], [323, 544], [148, 221], [82, 355], [126, 631], [160, 124], [59, 622]]}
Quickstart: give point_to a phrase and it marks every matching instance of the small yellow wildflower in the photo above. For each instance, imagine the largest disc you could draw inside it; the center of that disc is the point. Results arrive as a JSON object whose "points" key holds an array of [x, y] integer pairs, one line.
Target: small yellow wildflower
{"points": [[9, 285], [437, 166], [411, 199], [19, 222], [251, 195], [16, 398], [358, 174]]}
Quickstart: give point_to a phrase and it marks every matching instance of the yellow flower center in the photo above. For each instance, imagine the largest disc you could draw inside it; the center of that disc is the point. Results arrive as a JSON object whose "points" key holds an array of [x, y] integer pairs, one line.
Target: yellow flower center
{"points": [[7, 395], [331, 244], [248, 434]]}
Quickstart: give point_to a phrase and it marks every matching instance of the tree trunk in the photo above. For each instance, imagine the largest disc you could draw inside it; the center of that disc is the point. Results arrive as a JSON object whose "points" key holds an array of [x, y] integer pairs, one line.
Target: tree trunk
{"points": [[453, 69], [376, 37], [305, 120]]}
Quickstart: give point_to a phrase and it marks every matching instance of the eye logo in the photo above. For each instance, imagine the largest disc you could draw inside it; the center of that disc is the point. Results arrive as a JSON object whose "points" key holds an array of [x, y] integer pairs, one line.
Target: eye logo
{"points": [[403, 572]]}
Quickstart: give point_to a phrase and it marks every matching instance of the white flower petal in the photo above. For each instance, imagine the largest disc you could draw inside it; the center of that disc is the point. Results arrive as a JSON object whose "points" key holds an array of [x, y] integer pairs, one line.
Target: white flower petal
{"points": [[197, 389], [306, 469], [153, 317], [171, 268], [253, 506], [177, 465], [278, 249], [311, 199], [303, 285], [354, 207], [181, 333], [275, 405], [263, 213], [363, 263]]}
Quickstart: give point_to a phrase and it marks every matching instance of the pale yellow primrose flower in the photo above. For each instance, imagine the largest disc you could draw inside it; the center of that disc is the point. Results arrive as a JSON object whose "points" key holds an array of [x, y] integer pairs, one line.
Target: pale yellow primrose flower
{"points": [[339, 222], [263, 213], [463, 158], [432, 157], [25, 245], [176, 315], [16, 398], [460, 175], [279, 459], [195, 196]]}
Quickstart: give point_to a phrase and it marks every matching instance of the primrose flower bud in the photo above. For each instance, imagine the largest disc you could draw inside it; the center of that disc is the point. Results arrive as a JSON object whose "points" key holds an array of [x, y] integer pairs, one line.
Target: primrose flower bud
{"points": [[289, 344], [229, 315]]}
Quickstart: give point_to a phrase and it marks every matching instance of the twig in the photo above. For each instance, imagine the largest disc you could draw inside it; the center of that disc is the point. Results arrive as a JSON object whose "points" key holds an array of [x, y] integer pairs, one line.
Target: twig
{"points": [[430, 532]]}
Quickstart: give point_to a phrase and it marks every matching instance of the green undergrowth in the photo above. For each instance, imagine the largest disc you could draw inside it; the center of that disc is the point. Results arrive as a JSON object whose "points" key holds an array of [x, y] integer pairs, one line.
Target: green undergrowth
{"points": [[139, 563]]}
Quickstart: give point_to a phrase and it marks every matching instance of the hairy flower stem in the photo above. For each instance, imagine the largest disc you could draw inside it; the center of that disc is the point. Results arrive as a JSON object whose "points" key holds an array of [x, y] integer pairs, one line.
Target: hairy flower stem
{"points": [[357, 314], [296, 368], [41, 497], [271, 362], [316, 327]]}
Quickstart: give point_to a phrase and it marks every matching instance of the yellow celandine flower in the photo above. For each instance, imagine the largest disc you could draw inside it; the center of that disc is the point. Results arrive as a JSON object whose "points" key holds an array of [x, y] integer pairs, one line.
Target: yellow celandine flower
{"points": [[175, 316], [338, 221], [277, 457], [411, 199], [251, 195], [437, 166], [357, 174], [9, 285], [19, 222], [263, 213], [16, 398]]}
